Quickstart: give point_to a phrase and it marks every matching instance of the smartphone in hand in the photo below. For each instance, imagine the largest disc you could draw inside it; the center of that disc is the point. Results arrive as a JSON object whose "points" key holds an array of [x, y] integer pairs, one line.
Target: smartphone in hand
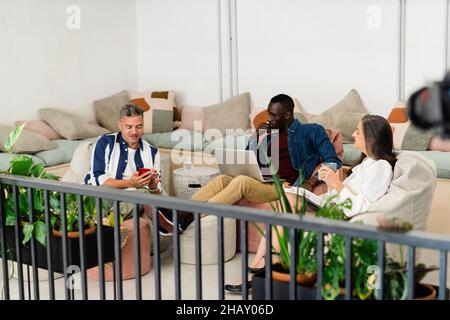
{"points": [[143, 171]]}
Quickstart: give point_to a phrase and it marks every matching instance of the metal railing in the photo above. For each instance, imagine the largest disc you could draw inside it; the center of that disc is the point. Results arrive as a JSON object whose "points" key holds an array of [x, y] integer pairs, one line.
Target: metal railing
{"points": [[321, 226]]}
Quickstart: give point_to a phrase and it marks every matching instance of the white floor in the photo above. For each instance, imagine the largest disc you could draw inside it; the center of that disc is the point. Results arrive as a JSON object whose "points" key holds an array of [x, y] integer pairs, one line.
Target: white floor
{"points": [[188, 282]]}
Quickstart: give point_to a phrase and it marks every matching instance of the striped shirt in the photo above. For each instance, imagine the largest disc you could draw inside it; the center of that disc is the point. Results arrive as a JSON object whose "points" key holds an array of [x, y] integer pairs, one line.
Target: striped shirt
{"points": [[110, 159]]}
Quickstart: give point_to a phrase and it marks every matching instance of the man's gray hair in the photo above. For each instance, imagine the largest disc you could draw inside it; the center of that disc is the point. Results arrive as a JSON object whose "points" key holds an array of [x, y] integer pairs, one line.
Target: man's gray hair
{"points": [[131, 110]]}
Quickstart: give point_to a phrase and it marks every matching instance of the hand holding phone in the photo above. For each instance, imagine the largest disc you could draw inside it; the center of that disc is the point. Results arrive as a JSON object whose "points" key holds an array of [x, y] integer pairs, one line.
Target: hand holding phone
{"points": [[142, 171]]}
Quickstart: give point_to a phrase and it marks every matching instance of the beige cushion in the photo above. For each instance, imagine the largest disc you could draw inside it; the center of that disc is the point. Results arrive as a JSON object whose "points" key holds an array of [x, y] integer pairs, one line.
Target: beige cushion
{"points": [[107, 110], [209, 241], [80, 164], [40, 127], [158, 112], [410, 194], [193, 118], [69, 125], [230, 114], [398, 133], [28, 142], [344, 116]]}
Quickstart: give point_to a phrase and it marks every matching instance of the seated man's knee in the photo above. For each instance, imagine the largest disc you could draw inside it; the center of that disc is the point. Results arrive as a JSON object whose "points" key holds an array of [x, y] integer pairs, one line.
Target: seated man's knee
{"points": [[224, 179], [241, 180]]}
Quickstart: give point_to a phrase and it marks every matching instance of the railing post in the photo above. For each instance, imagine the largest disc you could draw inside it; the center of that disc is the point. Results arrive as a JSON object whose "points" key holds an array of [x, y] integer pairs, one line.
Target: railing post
{"points": [[3, 243], [410, 266], [244, 257], [82, 240], [156, 256], [33, 246], [198, 255], [320, 265], [48, 227], [117, 249], [268, 266], [100, 253], [220, 256], [348, 268], [137, 252], [176, 255]]}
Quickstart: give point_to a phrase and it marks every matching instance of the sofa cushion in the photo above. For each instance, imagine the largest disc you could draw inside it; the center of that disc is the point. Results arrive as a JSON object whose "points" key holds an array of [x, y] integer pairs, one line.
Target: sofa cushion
{"points": [[229, 142], [192, 118], [41, 127], [69, 125], [440, 159], [351, 154], [344, 116], [107, 110], [62, 154], [409, 195], [5, 159], [158, 109], [209, 241], [179, 139], [28, 142], [230, 114]]}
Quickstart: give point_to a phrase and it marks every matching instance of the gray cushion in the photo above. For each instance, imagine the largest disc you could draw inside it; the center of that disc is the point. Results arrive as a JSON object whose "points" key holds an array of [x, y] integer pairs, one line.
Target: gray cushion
{"points": [[440, 159], [107, 110], [28, 142], [69, 125], [5, 158], [180, 139], [229, 142], [350, 154], [344, 116], [230, 114], [62, 154]]}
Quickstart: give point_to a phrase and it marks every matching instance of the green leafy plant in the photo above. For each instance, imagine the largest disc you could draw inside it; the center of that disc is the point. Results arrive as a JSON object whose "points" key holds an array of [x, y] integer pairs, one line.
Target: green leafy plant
{"points": [[23, 166], [395, 274], [364, 251], [72, 220]]}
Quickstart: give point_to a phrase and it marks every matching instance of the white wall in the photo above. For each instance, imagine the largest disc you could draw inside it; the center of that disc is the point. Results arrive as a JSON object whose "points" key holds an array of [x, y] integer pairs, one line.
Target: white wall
{"points": [[178, 49], [315, 50], [425, 45], [43, 63]]}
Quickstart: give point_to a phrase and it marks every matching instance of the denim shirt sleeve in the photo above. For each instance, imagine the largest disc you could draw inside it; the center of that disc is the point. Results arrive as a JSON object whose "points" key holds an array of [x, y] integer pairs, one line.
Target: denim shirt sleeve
{"points": [[324, 147]]}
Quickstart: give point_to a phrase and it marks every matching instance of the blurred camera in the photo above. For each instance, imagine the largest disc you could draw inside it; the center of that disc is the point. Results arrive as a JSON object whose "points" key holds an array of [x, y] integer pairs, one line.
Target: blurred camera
{"points": [[429, 107]]}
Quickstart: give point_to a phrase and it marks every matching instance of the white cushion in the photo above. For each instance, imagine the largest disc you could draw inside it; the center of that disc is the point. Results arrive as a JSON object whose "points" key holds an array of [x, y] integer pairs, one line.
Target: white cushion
{"points": [[208, 241], [410, 194]]}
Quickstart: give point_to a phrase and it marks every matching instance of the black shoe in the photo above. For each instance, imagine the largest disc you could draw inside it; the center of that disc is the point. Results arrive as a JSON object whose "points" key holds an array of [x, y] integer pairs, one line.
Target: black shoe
{"points": [[237, 288], [255, 270]]}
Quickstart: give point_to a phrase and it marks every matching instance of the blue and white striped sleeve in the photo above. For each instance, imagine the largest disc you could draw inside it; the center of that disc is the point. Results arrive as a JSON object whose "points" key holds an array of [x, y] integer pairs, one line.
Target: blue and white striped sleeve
{"points": [[100, 160]]}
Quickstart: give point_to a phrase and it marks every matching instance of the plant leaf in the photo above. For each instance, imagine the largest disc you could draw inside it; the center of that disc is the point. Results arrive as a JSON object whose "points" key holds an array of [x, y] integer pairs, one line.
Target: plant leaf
{"points": [[27, 232], [37, 170], [13, 137], [40, 232], [20, 165]]}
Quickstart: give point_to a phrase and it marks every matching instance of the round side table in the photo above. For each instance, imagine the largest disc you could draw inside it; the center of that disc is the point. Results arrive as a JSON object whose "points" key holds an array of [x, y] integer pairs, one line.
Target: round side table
{"points": [[186, 182]]}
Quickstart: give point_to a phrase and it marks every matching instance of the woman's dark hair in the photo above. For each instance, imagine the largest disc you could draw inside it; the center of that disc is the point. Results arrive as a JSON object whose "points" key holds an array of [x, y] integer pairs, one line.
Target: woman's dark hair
{"points": [[378, 138]]}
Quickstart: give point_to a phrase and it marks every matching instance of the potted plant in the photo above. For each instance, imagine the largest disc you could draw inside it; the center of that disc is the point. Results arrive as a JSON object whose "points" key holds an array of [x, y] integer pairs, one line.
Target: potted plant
{"points": [[364, 255], [24, 166]]}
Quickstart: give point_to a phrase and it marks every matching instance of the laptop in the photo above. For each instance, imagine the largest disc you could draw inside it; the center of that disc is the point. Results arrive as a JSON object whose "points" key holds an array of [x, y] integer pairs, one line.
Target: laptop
{"points": [[235, 162]]}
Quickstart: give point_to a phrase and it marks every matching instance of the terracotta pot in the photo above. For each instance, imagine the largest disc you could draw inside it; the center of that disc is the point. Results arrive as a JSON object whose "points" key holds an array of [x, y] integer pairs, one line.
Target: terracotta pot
{"points": [[75, 234], [304, 279], [424, 292]]}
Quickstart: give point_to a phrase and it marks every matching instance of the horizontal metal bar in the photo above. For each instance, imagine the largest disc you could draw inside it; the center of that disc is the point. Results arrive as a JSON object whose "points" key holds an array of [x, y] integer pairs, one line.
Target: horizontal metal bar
{"points": [[414, 238]]}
